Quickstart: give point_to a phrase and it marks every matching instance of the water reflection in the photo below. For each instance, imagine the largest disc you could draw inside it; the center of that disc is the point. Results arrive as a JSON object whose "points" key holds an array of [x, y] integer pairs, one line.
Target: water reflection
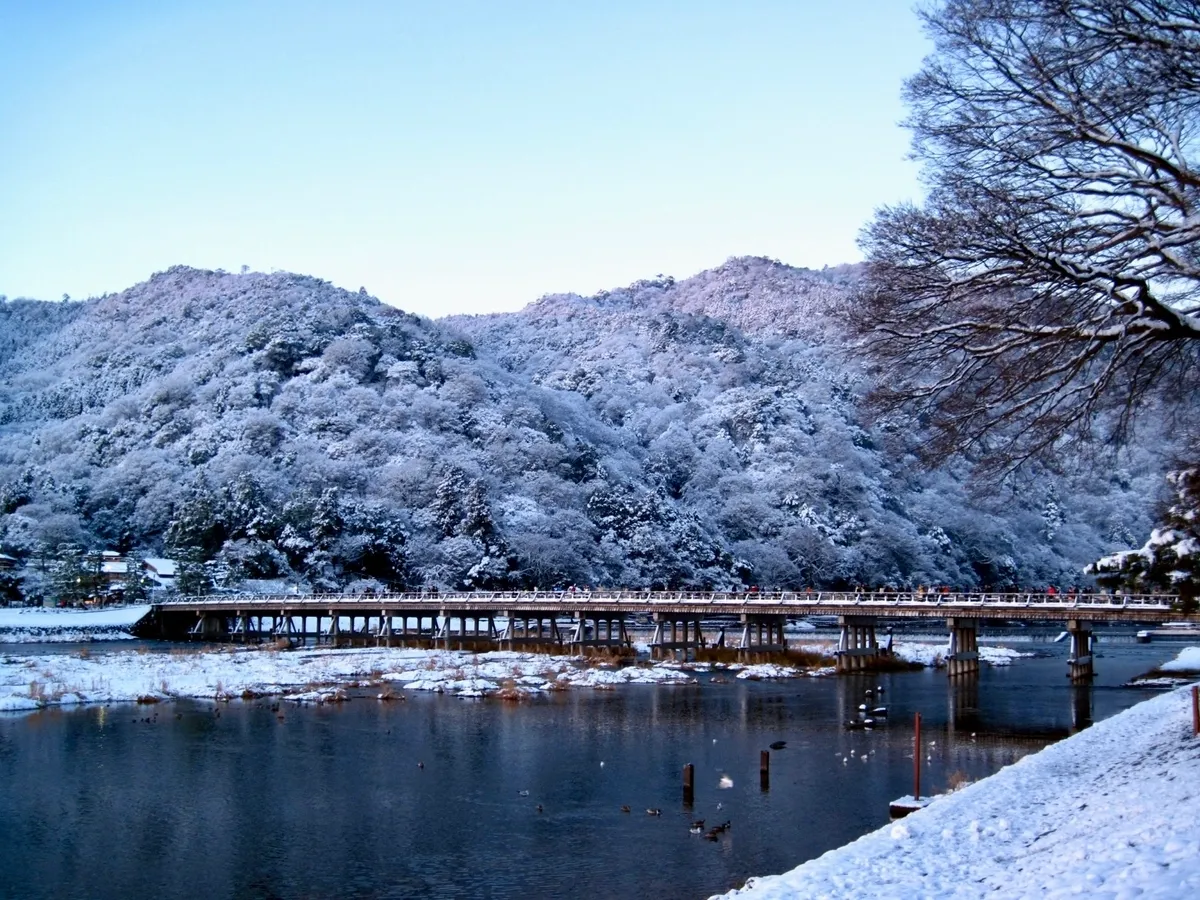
{"points": [[438, 797]]}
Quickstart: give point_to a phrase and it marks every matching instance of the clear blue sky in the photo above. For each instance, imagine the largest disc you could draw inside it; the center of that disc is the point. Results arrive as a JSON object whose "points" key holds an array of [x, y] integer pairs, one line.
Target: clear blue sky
{"points": [[448, 156]]}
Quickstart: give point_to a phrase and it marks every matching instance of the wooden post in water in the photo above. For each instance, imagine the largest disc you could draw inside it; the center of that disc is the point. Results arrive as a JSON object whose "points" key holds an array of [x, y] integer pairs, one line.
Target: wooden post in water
{"points": [[917, 758], [1195, 710], [764, 770], [689, 778]]}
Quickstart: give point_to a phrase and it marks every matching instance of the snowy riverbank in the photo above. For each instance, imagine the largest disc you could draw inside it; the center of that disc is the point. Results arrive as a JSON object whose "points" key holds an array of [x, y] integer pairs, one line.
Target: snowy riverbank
{"points": [[1113, 811], [31, 682], [35, 681], [37, 624]]}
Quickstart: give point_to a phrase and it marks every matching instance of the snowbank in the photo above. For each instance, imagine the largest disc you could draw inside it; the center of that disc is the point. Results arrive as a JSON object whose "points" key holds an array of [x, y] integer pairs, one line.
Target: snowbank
{"points": [[37, 624], [932, 655], [1188, 661], [30, 682], [1112, 812]]}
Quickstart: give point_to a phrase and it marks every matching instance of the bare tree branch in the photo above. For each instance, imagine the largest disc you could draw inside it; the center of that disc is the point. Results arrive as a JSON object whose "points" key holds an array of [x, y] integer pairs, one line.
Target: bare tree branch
{"points": [[1050, 283]]}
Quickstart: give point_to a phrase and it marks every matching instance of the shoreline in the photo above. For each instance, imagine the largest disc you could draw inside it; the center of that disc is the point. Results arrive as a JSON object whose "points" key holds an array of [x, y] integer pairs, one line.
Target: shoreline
{"points": [[1111, 811], [31, 682]]}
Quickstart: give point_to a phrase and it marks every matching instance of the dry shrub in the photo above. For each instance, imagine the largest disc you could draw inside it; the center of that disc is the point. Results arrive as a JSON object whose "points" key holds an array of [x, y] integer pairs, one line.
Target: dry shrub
{"points": [[84, 653], [810, 657], [509, 692], [37, 691]]}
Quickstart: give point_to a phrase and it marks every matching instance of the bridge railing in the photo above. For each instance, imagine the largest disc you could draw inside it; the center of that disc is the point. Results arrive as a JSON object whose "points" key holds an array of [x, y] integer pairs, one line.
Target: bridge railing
{"points": [[716, 599]]}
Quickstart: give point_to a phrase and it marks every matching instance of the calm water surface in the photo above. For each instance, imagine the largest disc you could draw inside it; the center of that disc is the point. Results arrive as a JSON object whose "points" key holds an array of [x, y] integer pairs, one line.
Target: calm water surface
{"points": [[330, 801]]}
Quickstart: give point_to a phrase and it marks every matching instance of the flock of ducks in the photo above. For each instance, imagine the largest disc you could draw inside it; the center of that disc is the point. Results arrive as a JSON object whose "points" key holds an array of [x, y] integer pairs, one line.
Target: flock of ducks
{"points": [[868, 714], [696, 827]]}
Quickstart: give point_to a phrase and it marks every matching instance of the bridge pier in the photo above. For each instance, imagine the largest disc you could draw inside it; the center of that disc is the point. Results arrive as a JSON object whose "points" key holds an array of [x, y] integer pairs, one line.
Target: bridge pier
{"points": [[602, 624], [1081, 706], [212, 627], [962, 656], [1079, 663], [422, 636], [383, 637], [533, 632], [857, 647], [761, 635], [685, 636], [282, 627]]}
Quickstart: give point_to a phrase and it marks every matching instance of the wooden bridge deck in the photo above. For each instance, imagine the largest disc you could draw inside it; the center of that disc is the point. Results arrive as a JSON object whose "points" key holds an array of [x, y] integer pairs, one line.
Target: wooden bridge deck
{"points": [[1095, 607]]}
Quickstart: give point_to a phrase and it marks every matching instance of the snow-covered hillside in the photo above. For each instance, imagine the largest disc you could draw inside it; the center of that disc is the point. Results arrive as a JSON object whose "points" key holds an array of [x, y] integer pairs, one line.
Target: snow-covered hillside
{"points": [[699, 432]]}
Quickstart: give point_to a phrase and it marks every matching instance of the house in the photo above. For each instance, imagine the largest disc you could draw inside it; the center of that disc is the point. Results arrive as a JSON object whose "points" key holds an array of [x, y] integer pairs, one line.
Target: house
{"points": [[159, 570], [114, 568]]}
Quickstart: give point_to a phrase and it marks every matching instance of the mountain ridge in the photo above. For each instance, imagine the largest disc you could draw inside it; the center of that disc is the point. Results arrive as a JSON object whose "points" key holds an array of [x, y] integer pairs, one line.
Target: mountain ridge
{"points": [[704, 431]]}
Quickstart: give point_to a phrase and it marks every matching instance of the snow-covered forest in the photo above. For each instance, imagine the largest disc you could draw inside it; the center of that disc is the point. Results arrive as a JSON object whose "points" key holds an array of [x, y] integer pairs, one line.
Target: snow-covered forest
{"points": [[274, 429]]}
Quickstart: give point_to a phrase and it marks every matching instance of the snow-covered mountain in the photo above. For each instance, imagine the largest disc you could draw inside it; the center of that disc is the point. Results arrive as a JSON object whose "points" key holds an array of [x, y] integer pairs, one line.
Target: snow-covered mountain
{"points": [[696, 432]]}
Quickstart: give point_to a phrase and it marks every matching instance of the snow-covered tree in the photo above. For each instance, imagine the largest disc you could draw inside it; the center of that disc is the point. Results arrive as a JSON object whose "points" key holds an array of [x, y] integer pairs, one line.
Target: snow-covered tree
{"points": [[1170, 559]]}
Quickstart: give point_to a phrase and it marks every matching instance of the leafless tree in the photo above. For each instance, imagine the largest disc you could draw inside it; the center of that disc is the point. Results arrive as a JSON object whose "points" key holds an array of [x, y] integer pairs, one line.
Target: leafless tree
{"points": [[1049, 285]]}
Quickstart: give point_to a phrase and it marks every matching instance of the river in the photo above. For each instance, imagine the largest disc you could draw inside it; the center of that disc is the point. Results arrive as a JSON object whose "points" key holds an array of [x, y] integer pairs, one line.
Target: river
{"points": [[439, 796]]}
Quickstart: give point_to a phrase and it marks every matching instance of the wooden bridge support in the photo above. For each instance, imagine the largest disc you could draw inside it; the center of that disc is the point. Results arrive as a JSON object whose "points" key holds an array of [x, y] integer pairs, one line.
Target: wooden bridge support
{"points": [[761, 635], [530, 632], [600, 635], [210, 627], [676, 635], [1079, 663], [419, 636], [857, 648], [474, 631], [962, 656], [962, 714], [1081, 706]]}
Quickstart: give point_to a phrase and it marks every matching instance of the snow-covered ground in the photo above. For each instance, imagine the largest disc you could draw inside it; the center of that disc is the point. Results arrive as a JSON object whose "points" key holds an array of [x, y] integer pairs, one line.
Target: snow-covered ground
{"points": [[1113, 811], [32, 682], [36, 624], [935, 654], [1187, 662]]}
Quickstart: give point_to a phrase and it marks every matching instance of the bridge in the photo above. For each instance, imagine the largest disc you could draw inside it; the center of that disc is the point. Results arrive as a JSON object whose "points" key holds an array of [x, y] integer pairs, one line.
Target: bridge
{"points": [[583, 621]]}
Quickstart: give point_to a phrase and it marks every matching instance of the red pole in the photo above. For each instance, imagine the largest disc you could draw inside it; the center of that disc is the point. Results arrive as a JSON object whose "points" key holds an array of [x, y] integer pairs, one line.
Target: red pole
{"points": [[1195, 710], [917, 759]]}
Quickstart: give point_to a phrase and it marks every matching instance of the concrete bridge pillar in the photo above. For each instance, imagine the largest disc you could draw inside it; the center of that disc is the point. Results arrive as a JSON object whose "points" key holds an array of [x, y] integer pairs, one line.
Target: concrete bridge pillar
{"points": [[857, 647], [962, 656], [1079, 663]]}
